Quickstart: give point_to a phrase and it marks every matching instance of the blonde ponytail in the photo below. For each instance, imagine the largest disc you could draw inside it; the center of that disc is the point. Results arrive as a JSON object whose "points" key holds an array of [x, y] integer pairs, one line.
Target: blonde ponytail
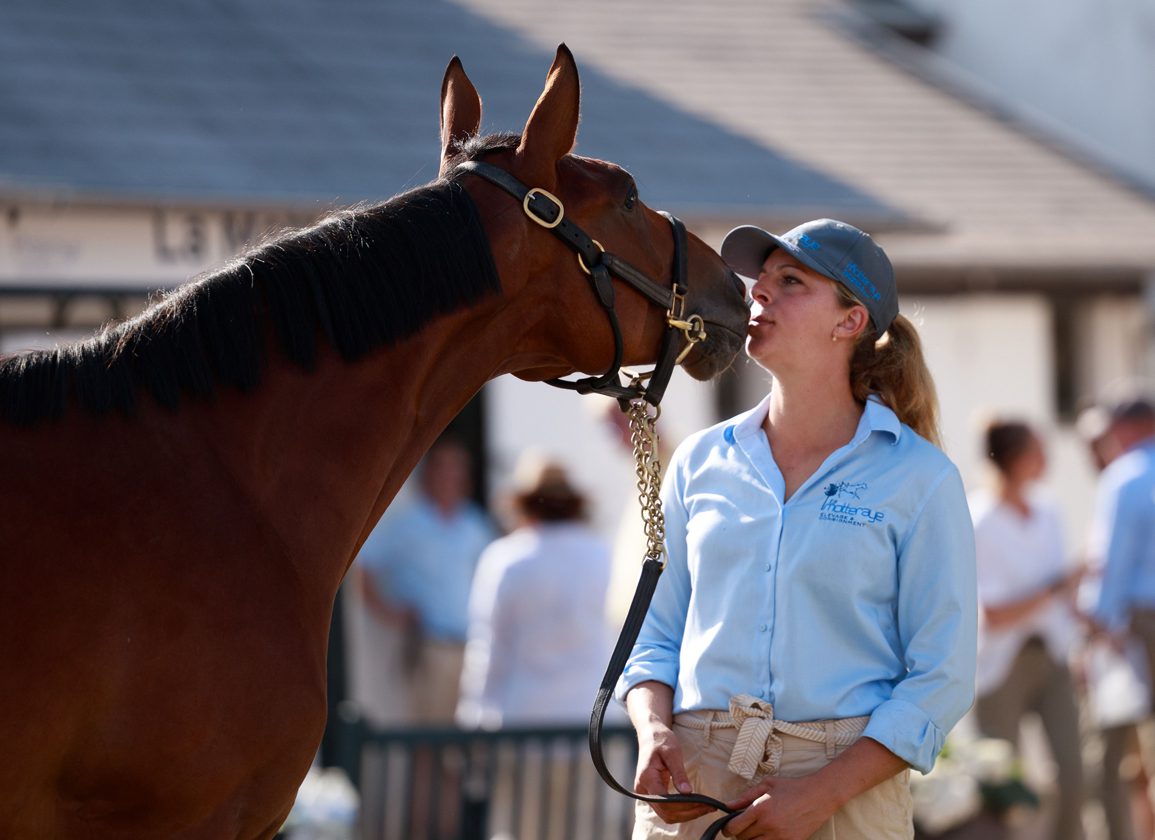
{"points": [[893, 369]]}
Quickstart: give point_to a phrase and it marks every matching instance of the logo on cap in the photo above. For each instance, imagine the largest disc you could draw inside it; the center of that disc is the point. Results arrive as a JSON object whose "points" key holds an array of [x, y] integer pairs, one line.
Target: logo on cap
{"points": [[809, 243], [860, 281]]}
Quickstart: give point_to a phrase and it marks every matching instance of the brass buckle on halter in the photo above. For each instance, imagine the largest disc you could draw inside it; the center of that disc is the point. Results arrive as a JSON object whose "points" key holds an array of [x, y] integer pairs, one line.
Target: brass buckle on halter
{"points": [[694, 328], [533, 193], [677, 307]]}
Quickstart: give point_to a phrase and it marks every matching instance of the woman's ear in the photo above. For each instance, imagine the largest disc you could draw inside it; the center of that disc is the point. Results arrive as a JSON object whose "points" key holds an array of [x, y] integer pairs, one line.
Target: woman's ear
{"points": [[855, 321]]}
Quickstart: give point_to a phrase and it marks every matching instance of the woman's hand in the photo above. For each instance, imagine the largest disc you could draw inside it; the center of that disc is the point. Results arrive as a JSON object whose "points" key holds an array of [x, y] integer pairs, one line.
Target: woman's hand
{"points": [[781, 809], [793, 809], [650, 705], [659, 765]]}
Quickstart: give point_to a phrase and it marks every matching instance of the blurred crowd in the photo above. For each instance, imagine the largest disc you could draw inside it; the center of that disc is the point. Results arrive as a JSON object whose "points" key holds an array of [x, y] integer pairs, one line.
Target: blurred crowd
{"points": [[1067, 633], [485, 620], [489, 621]]}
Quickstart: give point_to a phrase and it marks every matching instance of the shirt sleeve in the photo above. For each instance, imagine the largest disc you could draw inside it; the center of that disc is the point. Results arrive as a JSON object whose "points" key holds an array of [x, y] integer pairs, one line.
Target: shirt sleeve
{"points": [[1122, 523], [658, 648], [937, 620]]}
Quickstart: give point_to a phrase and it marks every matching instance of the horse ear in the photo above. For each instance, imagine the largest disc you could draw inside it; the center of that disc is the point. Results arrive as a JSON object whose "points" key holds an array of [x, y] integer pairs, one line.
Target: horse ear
{"points": [[552, 127], [460, 111]]}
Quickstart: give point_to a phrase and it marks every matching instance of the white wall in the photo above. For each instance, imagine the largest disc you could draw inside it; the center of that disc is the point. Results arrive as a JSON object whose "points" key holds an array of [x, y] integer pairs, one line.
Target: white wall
{"points": [[992, 356], [1112, 332]]}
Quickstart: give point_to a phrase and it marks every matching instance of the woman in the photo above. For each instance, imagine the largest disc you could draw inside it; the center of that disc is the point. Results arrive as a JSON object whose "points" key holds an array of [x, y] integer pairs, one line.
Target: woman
{"points": [[1028, 625], [813, 635]]}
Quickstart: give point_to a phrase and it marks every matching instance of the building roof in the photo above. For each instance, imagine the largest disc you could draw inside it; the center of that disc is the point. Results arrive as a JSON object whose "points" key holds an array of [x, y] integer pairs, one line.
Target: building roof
{"points": [[331, 101], [818, 82], [765, 111]]}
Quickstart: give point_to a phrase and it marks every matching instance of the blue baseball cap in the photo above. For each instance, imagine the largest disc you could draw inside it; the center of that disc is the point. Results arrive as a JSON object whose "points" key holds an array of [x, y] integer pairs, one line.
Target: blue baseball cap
{"points": [[836, 250]]}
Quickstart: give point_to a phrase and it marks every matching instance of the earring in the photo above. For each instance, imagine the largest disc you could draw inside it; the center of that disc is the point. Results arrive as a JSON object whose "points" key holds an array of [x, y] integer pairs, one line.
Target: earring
{"points": [[834, 336]]}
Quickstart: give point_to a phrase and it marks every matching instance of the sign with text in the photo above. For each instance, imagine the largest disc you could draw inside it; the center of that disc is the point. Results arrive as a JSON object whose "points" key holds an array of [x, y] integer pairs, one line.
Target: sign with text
{"points": [[42, 246]]}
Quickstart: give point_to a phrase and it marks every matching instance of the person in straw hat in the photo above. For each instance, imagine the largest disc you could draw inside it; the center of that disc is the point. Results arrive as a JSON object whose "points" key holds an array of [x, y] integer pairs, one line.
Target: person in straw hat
{"points": [[537, 642]]}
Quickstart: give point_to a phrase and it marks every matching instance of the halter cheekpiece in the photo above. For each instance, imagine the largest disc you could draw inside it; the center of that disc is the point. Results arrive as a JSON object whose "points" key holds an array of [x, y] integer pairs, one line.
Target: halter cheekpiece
{"points": [[601, 266]]}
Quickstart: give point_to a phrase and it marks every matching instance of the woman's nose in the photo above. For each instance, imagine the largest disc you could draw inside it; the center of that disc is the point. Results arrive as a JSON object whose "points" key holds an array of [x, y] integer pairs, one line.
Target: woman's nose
{"points": [[760, 291]]}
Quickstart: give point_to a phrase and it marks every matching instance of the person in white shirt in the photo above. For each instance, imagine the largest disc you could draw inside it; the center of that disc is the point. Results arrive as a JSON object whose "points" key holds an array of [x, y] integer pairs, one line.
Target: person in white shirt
{"points": [[1028, 625], [537, 642]]}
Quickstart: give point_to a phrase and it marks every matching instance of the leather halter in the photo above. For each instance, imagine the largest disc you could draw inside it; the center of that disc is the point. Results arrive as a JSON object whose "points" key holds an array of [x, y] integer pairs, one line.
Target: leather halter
{"points": [[547, 210]]}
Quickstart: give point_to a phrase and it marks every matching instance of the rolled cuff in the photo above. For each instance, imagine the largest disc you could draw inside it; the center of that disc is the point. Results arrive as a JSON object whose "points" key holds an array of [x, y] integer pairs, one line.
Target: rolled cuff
{"points": [[908, 732]]}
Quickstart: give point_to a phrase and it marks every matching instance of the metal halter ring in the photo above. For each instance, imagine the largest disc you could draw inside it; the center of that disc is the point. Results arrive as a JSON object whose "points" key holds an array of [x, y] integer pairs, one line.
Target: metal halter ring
{"points": [[582, 262], [694, 328]]}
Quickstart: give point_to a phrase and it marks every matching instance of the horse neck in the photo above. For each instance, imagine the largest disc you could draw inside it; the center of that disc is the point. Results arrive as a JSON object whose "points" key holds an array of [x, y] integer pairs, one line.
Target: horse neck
{"points": [[321, 454]]}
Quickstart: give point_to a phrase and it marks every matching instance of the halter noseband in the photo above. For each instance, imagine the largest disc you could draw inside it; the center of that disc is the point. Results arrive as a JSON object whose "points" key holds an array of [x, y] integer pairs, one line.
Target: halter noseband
{"points": [[547, 210]]}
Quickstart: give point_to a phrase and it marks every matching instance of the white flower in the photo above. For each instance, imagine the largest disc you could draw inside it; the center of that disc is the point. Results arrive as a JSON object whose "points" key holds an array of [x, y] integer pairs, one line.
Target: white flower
{"points": [[944, 798], [992, 761]]}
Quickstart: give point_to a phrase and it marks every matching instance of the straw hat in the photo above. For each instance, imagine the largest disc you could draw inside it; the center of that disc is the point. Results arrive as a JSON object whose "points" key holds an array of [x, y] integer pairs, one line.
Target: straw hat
{"points": [[542, 488]]}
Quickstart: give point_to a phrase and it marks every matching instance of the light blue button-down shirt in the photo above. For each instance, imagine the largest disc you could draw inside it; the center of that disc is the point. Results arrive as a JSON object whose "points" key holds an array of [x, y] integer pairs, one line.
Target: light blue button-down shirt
{"points": [[1125, 517], [419, 557], [855, 597]]}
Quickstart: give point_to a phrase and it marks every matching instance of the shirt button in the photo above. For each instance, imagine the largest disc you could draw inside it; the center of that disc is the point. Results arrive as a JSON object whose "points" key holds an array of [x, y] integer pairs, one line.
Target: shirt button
{"points": [[769, 567], [762, 627]]}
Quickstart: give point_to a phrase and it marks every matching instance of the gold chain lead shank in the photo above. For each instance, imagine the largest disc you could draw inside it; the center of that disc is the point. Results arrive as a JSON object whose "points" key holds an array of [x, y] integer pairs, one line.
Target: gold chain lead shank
{"points": [[648, 474]]}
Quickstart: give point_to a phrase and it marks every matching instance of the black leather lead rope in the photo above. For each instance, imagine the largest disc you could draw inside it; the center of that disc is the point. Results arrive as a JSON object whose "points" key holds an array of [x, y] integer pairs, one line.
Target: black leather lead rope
{"points": [[651, 571]]}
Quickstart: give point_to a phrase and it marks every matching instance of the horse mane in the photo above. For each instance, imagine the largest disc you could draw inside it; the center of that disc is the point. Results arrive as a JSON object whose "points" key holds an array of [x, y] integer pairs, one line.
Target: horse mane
{"points": [[360, 278]]}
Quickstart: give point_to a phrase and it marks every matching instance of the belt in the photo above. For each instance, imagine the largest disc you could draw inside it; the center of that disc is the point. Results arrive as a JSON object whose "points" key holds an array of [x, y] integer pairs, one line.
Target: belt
{"points": [[758, 747]]}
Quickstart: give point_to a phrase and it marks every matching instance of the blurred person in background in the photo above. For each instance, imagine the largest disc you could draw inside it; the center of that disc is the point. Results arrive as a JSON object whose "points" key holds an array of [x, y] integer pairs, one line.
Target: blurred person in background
{"points": [[1094, 428], [1027, 622], [416, 571], [813, 635], [1123, 611], [537, 644]]}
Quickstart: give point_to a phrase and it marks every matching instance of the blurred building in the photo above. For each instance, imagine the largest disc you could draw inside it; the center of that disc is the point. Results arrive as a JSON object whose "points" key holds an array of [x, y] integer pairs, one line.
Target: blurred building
{"points": [[1083, 68], [143, 144]]}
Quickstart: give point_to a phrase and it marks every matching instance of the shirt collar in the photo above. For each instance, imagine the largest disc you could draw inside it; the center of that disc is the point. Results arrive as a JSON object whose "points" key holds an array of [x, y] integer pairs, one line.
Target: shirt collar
{"points": [[876, 417], [879, 418]]}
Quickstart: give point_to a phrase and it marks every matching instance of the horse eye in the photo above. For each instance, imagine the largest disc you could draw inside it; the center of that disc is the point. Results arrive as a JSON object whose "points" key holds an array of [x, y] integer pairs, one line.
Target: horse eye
{"points": [[631, 198]]}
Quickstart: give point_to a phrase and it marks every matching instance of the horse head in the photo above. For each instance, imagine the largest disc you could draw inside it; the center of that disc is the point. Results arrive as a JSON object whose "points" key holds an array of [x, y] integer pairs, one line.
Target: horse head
{"points": [[566, 330]]}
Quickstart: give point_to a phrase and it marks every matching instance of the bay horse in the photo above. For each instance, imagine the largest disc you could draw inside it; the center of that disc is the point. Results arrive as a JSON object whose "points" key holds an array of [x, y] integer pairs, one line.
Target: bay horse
{"points": [[183, 493]]}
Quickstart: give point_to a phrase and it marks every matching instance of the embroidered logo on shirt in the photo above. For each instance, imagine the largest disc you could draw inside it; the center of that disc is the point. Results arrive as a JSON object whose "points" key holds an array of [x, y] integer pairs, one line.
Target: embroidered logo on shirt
{"points": [[836, 508], [845, 488]]}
